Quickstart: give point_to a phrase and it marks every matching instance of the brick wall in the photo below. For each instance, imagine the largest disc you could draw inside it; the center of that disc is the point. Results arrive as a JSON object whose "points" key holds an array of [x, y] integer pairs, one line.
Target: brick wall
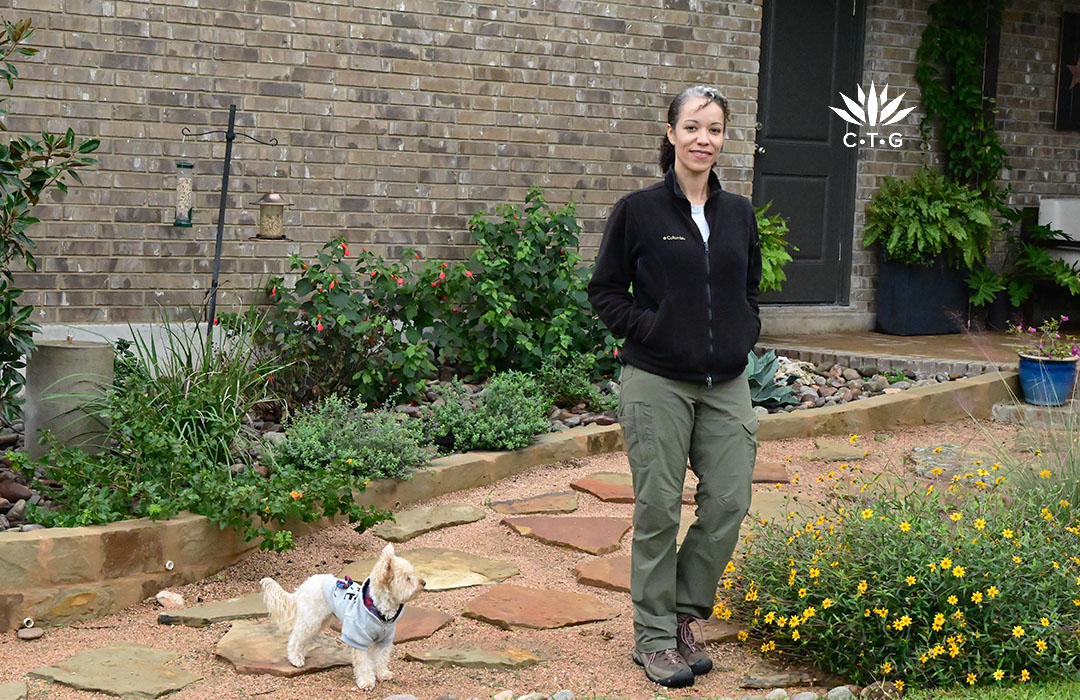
{"points": [[397, 120], [1044, 162]]}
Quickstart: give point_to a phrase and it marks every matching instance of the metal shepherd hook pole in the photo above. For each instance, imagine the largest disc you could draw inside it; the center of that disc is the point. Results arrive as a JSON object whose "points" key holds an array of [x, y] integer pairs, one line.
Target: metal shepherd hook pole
{"points": [[230, 136]]}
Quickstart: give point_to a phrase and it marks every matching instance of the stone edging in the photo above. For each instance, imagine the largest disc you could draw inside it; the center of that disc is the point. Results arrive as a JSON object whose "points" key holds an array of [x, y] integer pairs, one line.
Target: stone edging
{"points": [[57, 576], [883, 362]]}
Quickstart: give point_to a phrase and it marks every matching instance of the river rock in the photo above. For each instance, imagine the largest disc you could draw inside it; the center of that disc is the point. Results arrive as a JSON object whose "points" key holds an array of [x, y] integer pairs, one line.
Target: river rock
{"points": [[30, 633]]}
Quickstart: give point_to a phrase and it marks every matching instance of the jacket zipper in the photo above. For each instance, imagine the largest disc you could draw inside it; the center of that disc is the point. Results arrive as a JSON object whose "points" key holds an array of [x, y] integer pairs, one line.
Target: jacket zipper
{"points": [[708, 302]]}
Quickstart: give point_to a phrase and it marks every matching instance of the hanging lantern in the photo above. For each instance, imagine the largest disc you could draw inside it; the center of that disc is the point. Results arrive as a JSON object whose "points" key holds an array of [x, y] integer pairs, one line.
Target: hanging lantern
{"points": [[185, 194], [272, 216]]}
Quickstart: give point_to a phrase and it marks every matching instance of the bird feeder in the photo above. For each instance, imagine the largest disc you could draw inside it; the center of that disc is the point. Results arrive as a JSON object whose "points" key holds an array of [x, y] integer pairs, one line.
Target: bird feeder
{"points": [[271, 216], [185, 194]]}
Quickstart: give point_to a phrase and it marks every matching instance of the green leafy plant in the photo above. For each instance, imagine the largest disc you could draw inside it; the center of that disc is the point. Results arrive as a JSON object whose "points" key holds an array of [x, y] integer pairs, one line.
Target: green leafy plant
{"points": [[950, 74], [373, 445], [772, 232], [894, 375], [566, 383], [1027, 262], [912, 583], [917, 219], [28, 168], [176, 441], [764, 389], [333, 333], [510, 411], [519, 300]]}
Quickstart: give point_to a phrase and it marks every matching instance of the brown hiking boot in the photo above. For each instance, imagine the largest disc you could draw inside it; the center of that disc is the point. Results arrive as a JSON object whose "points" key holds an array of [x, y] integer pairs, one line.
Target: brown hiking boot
{"points": [[693, 654], [665, 667]]}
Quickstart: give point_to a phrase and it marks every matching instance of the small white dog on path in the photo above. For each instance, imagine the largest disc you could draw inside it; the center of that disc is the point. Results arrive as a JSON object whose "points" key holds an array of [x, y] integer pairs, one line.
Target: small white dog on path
{"points": [[368, 613]]}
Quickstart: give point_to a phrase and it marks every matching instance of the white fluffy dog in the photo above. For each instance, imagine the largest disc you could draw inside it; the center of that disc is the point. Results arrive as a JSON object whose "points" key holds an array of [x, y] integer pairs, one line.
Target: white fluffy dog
{"points": [[368, 613]]}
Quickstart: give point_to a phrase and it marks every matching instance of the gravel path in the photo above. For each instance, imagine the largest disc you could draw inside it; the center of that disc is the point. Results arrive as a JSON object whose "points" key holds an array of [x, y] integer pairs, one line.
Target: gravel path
{"points": [[589, 659]]}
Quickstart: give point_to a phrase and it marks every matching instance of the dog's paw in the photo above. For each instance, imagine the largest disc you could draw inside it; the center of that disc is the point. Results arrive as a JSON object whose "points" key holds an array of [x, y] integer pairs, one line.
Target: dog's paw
{"points": [[384, 675], [365, 684], [297, 660]]}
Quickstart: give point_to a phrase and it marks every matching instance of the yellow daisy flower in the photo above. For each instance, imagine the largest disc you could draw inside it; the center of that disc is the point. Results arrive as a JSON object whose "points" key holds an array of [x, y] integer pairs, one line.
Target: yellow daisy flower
{"points": [[998, 674], [1025, 676], [980, 524], [955, 516], [1018, 631], [905, 526]]}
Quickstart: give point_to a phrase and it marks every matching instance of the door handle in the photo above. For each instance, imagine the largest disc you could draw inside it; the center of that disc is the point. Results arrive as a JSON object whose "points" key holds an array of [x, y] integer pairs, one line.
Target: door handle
{"points": [[759, 150]]}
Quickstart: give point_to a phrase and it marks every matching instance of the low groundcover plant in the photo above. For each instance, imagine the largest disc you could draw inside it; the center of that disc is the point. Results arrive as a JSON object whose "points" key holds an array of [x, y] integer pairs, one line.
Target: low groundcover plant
{"points": [[929, 585]]}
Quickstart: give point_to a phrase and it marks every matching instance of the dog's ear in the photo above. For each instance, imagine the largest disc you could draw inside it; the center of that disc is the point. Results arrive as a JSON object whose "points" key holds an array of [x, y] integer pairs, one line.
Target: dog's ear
{"points": [[388, 550]]}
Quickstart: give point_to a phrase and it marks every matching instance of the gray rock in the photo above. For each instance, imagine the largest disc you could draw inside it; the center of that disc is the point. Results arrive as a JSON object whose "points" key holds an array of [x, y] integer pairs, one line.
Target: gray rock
{"points": [[878, 384], [820, 381], [774, 678], [533, 696], [573, 421], [30, 633], [902, 384], [778, 694], [30, 527], [805, 696], [35, 499], [446, 697], [840, 692], [761, 411], [4, 524], [851, 374], [274, 437], [836, 382], [819, 402], [127, 670], [504, 695], [401, 696], [942, 377], [563, 695], [13, 691]]}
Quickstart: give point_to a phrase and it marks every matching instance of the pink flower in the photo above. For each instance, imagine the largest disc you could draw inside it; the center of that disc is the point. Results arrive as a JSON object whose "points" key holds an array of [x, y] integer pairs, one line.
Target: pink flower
{"points": [[400, 281], [468, 273], [1075, 351], [442, 275], [331, 284], [216, 320], [319, 326], [616, 352], [345, 248], [417, 255], [1064, 319], [435, 283], [273, 292]]}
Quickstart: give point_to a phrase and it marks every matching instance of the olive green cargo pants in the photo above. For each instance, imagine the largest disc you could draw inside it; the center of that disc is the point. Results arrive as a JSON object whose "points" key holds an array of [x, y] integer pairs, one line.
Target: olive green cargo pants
{"points": [[665, 422]]}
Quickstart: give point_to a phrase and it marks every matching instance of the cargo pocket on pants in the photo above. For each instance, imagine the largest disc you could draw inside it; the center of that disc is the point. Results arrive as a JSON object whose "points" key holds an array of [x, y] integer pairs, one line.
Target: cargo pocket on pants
{"points": [[637, 425]]}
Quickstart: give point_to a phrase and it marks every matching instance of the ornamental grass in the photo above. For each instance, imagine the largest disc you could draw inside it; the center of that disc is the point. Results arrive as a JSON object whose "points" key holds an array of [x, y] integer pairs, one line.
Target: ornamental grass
{"points": [[959, 582]]}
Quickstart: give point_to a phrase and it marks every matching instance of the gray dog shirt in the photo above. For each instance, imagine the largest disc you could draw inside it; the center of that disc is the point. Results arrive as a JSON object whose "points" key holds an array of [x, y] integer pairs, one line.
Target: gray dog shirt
{"points": [[362, 625]]}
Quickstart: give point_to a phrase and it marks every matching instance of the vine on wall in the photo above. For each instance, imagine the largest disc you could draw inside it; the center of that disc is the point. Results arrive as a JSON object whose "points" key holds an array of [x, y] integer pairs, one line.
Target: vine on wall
{"points": [[950, 73]]}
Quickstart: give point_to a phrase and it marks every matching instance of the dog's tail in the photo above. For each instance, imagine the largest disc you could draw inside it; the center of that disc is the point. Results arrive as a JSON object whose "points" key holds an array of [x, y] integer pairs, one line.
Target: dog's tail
{"points": [[280, 603]]}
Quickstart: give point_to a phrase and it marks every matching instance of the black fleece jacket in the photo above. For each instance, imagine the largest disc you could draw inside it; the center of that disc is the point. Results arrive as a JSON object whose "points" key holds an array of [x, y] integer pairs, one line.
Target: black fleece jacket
{"points": [[688, 310]]}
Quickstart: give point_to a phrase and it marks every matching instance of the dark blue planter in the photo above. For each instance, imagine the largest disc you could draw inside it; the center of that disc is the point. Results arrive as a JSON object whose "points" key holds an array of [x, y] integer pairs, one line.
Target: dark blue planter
{"points": [[1046, 382], [914, 300]]}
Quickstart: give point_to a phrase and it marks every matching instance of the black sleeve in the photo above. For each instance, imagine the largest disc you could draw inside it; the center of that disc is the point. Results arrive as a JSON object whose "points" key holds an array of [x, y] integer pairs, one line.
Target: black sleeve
{"points": [[753, 267], [611, 279]]}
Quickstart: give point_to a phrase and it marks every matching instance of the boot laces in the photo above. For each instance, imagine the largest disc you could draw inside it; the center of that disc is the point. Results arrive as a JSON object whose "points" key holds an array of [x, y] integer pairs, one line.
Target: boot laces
{"points": [[686, 635]]}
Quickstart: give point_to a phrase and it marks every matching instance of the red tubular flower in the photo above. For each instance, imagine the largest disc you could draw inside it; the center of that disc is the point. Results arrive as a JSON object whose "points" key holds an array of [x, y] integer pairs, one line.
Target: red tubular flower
{"points": [[273, 292], [442, 275], [468, 273], [331, 284], [616, 352], [318, 326], [345, 248], [216, 320]]}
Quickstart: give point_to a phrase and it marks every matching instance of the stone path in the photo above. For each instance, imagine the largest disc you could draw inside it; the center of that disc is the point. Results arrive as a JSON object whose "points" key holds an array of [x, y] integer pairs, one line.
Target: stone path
{"points": [[253, 646], [127, 670]]}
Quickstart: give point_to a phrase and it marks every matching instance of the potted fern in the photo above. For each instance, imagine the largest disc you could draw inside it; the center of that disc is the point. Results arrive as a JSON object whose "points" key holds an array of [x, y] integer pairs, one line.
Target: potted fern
{"points": [[930, 231]]}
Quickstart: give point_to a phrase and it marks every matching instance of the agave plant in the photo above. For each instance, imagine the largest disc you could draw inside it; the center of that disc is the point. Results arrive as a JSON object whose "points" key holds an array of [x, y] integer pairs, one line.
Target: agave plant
{"points": [[764, 390]]}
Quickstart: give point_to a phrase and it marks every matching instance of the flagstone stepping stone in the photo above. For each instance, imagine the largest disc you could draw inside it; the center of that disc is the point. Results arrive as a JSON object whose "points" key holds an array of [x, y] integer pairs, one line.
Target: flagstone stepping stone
{"points": [[775, 505], [127, 670], [508, 659], [246, 607], [444, 569], [256, 647], [412, 523], [612, 573], [508, 606], [614, 487], [770, 473], [836, 452], [595, 535], [419, 623], [558, 502], [13, 691], [774, 678], [950, 459], [717, 631]]}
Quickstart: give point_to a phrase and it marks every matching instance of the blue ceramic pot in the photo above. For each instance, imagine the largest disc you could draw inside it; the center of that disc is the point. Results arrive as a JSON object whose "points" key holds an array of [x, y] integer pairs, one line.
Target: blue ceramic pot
{"points": [[1046, 381]]}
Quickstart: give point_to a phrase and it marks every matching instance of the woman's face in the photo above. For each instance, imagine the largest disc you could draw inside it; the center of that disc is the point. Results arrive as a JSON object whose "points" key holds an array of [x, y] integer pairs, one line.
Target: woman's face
{"points": [[698, 135]]}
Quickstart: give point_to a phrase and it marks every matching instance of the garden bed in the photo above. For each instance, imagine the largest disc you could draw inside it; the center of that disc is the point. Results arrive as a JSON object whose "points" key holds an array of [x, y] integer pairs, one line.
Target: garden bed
{"points": [[59, 575]]}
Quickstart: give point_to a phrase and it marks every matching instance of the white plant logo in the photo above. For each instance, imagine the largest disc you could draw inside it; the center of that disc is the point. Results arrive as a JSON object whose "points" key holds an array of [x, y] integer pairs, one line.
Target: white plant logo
{"points": [[872, 110]]}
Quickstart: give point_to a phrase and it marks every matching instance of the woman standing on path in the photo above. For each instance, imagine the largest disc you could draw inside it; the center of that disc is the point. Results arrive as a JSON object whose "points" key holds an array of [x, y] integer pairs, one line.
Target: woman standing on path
{"points": [[690, 251]]}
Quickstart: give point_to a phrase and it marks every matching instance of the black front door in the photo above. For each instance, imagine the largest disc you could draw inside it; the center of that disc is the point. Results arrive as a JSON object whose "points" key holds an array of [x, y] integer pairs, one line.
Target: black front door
{"points": [[811, 51]]}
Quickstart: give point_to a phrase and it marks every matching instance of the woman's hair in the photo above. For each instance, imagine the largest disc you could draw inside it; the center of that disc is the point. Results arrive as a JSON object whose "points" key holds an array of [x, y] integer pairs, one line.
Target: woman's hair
{"points": [[667, 150]]}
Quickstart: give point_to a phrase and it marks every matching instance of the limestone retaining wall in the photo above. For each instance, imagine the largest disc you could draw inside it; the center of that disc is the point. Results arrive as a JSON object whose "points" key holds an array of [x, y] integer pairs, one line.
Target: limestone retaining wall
{"points": [[62, 575]]}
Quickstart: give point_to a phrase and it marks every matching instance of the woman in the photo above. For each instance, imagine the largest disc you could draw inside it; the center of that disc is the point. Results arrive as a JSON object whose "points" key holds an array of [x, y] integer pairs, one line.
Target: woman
{"points": [[677, 275]]}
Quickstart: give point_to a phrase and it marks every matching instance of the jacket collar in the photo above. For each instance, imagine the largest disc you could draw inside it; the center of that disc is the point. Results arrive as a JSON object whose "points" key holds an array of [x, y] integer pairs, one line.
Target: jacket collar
{"points": [[369, 604], [673, 184]]}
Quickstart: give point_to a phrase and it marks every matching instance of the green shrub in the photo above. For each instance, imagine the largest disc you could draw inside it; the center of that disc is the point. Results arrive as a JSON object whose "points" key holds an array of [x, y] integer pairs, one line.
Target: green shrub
{"points": [[175, 428], [930, 587], [506, 415], [28, 168], [566, 382], [919, 218], [519, 300], [772, 232], [378, 445], [332, 334]]}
